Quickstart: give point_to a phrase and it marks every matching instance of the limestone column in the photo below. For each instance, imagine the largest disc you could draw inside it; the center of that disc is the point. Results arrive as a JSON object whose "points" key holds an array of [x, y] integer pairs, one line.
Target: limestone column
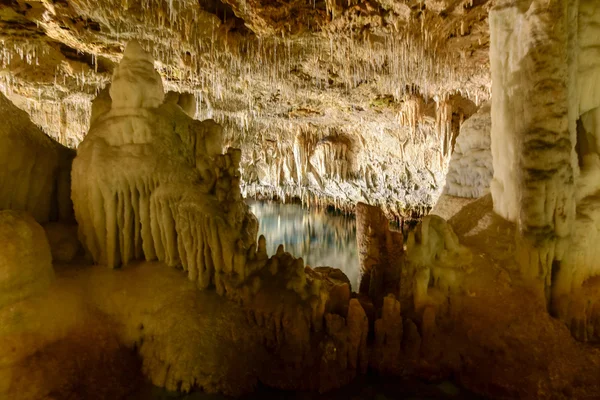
{"points": [[380, 253], [533, 63]]}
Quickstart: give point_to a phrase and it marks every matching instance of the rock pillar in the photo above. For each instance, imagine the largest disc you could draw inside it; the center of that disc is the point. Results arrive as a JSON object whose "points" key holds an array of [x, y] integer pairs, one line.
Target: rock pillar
{"points": [[380, 253]]}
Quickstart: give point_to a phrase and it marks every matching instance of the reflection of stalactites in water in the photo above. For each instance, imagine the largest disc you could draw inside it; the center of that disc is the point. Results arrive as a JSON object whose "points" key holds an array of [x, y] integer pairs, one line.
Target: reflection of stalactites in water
{"points": [[321, 239]]}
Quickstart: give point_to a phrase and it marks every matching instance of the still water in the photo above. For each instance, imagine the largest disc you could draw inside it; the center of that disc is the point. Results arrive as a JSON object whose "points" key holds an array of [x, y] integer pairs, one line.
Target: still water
{"points": [[319, 237]]}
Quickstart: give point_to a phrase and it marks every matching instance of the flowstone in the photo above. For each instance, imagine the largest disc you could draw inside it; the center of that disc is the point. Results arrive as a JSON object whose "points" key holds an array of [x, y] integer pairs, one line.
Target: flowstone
{"points": [[34, 169], [545, 149], [25, 259], [151, 183], [470, 170]]}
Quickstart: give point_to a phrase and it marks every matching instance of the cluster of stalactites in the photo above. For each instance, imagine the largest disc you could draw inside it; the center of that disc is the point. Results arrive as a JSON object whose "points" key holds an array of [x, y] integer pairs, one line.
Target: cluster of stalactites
{"points": [[196, 53], [332, 158], [444, 127], [412, 112], [25, 50]]}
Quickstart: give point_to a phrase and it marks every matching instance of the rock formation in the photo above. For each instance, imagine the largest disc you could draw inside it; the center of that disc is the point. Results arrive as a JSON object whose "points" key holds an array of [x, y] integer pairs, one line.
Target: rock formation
{"points": [[388, 72], [25, 262], [148, 181], [380, 253], [470, 170], [35, 169], [339, 105], [436, 262], [544, 158]]}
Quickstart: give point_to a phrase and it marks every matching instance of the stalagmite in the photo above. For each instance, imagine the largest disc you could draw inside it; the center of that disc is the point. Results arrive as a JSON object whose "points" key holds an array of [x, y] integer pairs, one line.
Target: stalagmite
{"points": [[150, 182], [380, 253], [388, 336], [435, 264]]}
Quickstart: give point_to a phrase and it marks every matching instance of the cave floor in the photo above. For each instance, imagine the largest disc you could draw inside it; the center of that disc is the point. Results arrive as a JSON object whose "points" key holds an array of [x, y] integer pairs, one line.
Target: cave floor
{"points": [[369, 387], [496, 337]]}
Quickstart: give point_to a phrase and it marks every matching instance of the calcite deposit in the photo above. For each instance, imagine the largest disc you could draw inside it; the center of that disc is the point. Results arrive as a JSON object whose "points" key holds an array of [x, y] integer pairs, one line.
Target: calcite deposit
{"points": [[544, 156], [35, 173], [380, 253], [365, 107], [374, 79], [150, 182], [470, 170]]}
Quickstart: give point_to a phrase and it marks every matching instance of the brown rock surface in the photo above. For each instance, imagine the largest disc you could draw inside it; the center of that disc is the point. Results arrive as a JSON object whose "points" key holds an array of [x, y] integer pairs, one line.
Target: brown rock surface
{"points": [[380, 253]]}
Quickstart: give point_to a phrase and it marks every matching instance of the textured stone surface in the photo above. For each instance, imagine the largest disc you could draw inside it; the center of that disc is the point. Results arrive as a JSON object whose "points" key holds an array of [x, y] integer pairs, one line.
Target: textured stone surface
{"points": [[34, 169], [545, 149], [25, 259], [380, 253], [382, 74], [470, 170]]}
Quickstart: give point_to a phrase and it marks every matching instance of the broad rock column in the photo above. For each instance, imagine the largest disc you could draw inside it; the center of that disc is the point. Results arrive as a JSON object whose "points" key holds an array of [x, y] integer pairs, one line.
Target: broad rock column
{"points": [[533, 61]]}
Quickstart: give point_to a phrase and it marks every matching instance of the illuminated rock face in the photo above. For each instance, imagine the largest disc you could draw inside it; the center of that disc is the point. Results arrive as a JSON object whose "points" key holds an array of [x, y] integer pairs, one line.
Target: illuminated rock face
{"points": [[325, 77], [436, 263], [470, 170], [150, 183], [575, 295], [34, 169], [25, 260], [545, 151]]}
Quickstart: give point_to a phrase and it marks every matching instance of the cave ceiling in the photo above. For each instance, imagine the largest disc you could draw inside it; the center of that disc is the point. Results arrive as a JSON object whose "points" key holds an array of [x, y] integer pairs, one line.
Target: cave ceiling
{"points": [[271, 62]]}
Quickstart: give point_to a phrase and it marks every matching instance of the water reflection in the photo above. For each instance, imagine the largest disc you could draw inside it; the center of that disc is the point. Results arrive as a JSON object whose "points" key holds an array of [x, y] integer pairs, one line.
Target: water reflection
{"points": [[320, 238]]}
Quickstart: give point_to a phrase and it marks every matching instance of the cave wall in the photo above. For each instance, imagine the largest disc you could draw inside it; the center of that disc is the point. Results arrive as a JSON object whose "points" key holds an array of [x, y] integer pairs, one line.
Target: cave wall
{"points": [[533, 62], [470, 170], [544, 146], [35, 170]]}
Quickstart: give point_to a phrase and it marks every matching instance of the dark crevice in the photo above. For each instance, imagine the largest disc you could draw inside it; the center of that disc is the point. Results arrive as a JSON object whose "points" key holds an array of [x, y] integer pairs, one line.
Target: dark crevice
{"points": [[100, 63], [583, 145], [553, 278], [225, 13]]}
